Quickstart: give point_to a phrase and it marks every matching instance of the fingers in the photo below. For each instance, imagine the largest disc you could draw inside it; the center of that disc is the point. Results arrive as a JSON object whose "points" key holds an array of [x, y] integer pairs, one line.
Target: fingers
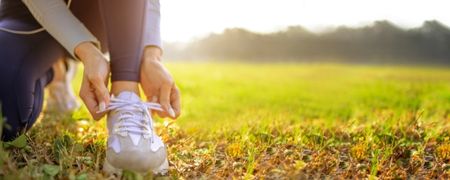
{"points": [[153, 99], [164, 99], [101, 91], [89, 98], [175, 101], [173, 108], [101, 102]]}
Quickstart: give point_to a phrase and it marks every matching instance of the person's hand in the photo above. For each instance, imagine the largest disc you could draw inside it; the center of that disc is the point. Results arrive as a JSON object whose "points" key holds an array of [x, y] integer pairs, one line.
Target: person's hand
{"points": [[94, 91], [158, 84]]}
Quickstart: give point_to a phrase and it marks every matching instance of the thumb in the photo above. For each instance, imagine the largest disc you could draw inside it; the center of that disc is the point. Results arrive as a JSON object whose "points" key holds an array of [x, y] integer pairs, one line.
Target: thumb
{"points": [[164, 99]]}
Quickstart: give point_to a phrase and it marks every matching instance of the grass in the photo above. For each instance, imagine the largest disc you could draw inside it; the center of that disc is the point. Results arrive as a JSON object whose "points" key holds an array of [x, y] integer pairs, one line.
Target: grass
{"points": [[251, 121]]}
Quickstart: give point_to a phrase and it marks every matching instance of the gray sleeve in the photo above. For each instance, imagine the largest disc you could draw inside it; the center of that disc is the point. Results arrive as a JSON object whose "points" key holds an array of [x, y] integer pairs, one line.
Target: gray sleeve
{"points": [[152, 24], [59, 22]]}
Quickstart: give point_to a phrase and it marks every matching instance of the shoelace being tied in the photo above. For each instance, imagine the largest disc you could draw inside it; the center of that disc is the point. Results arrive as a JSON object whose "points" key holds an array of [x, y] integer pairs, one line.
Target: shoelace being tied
{"points": [[128, 110]]}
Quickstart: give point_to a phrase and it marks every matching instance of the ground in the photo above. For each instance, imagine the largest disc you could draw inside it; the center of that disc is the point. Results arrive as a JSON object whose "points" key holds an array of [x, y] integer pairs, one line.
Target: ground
{"points": [[252, 121]]}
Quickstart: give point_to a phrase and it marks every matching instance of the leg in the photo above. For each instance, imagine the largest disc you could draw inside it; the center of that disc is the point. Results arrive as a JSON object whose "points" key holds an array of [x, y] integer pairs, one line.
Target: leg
{"points": [[61, 98], [25, 67], [119, 27], [125, 25]]}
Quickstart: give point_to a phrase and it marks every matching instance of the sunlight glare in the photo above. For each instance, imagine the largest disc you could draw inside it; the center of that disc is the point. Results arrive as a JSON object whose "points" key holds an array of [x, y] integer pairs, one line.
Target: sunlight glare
{"points": [[184, 20]]}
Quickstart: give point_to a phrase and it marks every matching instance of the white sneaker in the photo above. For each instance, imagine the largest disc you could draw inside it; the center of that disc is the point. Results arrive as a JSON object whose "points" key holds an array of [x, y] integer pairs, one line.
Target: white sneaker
{"points": [[61, 96], [132, 142]]}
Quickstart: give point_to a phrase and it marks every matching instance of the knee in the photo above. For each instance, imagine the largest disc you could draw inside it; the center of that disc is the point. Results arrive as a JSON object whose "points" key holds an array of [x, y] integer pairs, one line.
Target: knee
{"points": [[21, 106]]}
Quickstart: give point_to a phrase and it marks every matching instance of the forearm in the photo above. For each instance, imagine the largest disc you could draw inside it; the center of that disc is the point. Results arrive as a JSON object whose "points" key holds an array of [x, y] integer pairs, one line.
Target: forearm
{"points": [[153, 27], [59, 22], [87, 51]]}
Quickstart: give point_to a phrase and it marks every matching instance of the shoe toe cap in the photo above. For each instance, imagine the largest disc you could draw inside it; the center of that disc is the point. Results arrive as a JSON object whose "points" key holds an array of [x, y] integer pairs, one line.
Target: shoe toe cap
{"points": [[138, 158]]}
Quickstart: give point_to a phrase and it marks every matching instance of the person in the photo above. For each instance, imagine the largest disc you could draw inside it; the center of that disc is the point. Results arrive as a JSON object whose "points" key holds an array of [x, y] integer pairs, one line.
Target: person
{"points": [[37, 37]]}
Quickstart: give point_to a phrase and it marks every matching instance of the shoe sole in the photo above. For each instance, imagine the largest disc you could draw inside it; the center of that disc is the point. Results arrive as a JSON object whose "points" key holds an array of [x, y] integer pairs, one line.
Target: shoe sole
{"points": [[162, 170]]}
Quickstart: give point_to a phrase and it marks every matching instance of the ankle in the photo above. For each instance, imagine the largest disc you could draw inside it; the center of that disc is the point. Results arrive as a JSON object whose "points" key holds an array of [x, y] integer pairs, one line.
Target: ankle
{"points": [[120, 86]]}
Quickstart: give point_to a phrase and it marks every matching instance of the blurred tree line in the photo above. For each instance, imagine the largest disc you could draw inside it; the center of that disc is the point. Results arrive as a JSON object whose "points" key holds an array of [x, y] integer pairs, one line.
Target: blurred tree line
{"points": [[382, 42]]}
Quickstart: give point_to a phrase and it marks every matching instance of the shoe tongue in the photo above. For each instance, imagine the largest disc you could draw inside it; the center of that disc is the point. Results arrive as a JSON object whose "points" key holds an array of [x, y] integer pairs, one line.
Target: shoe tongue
{"points": [[128, 96]]}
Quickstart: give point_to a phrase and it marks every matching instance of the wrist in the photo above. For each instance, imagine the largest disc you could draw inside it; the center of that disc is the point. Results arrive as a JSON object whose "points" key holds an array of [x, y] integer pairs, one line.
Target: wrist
{"points": [[152, 53], [86, 51]]}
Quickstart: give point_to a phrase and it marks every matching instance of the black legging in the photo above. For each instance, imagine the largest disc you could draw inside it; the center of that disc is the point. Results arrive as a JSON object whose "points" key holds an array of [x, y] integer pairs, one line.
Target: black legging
{"points": [[26, 60]]}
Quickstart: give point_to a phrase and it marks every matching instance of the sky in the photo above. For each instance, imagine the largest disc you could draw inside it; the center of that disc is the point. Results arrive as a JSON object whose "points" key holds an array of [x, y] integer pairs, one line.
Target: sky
{"points": [[185, 20]]}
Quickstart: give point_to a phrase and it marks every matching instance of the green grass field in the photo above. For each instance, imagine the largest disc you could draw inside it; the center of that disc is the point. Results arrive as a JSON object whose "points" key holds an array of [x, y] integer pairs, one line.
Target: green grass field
{"points": [[270, 121]]}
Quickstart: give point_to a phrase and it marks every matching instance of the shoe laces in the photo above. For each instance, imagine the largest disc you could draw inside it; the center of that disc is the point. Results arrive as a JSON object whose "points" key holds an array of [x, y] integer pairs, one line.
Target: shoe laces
{"points": [[134, 116]]}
